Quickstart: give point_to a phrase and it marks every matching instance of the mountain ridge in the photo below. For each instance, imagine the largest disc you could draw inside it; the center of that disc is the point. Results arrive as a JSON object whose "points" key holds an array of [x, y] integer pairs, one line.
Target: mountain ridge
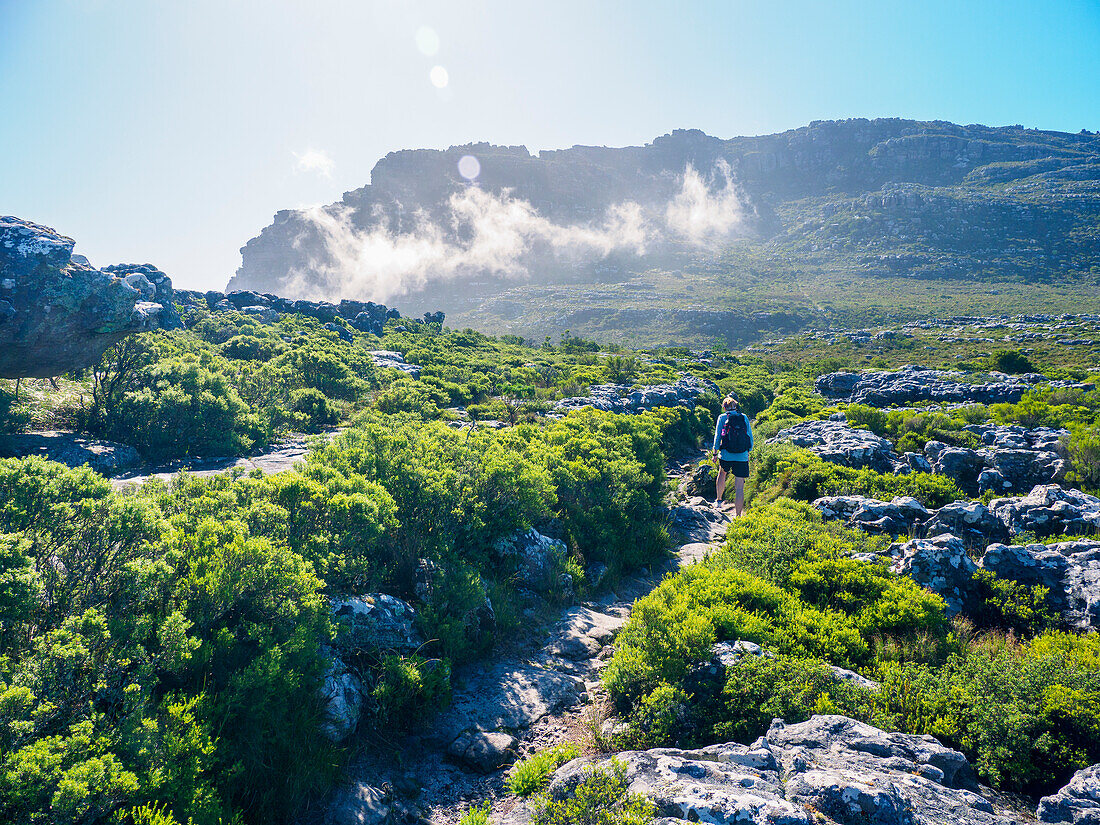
{"points": [[925, 200]]}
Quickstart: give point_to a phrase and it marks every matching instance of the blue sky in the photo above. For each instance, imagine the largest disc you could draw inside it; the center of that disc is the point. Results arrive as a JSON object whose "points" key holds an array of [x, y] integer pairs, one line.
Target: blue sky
{"points": [[170, 132]]}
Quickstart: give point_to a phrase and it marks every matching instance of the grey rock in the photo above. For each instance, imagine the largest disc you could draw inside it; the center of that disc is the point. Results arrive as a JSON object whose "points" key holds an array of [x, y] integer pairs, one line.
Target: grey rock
{"points": [[1069, 570], [72, 450], [376, 621], [536, 557], [484, 751], [342, 696], [899, 516], [58, 313], [342, 332], [972, 521], [828, 766], [622, 398], [1049, 510], [839, 443], [914, 383], [701, 481], [940, 564], [962, 465], [388, 359], [361, 804], [1078, 803], [582, 633]]}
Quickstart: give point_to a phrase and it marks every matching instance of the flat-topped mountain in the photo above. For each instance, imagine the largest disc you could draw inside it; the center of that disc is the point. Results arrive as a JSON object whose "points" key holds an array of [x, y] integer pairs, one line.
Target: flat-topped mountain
{"points": [[883, 198]]}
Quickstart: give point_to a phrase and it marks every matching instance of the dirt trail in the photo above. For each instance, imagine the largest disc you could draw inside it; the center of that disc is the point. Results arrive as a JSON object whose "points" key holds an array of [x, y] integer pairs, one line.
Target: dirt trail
{"points": [[541, 690]]}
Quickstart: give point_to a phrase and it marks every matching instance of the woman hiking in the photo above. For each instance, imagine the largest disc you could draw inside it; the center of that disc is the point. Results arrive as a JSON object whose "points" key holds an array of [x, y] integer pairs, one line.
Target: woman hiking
{"points": [[732, 442]]}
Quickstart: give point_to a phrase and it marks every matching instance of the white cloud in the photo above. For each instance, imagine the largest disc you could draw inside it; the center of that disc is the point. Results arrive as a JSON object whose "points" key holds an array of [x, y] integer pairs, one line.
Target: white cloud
{"points": [[315, 161], [496, 234]]}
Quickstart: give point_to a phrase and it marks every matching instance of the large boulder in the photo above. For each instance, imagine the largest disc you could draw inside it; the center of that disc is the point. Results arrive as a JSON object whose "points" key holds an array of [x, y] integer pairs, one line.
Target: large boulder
{"points": [[899, 516], [1069, 570], [970, 520], [1049, 510], [827, 769], [59, 313], [1078, 803], [376, 621], [537, 558], [940, 564], [839, 443]]}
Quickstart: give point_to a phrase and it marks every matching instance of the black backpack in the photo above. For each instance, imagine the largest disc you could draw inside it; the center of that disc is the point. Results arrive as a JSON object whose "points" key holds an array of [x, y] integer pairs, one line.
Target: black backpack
{"points": [[735, 433]]}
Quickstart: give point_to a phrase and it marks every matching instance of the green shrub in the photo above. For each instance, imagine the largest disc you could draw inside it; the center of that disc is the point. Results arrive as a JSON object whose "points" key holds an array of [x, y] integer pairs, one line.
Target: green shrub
{"points": [[533, 774], [183, 408], [316, 410], [601, 797], [1011, 361], [477, 815], [867, 418], [1008, 605], [408, 689], [784, 470]]}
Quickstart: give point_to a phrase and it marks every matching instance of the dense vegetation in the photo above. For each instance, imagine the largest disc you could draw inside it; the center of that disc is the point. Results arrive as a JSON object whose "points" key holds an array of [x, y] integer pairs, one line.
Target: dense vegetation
{"points": [[161, 647], [1026, 709]]}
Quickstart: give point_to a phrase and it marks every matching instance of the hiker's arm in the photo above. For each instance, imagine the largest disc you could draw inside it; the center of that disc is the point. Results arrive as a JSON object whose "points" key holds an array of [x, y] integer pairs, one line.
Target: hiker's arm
{"points": [[717, 434]]}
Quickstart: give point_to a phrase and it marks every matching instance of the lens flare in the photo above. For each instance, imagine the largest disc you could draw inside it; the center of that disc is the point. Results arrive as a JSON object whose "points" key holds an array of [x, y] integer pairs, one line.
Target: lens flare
{"points": [[439, 77], [469, 167], [427, 40]]}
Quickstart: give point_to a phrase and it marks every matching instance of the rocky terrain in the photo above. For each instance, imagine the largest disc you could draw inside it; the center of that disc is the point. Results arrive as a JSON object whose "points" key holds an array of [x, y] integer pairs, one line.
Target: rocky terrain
{"points": [[59, 313]]}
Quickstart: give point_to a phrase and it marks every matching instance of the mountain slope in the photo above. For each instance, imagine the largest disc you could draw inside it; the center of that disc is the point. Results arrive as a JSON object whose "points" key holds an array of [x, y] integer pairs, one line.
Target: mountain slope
{"points": [[796, 223]]}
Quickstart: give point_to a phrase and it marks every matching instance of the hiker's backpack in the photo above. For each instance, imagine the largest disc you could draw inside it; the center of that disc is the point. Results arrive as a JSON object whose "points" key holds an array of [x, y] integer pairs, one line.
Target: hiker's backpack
{"points": [[735, 433]]}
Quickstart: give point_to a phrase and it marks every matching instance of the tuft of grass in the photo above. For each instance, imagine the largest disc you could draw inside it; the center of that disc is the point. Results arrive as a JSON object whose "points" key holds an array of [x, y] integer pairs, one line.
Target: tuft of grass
{"points": [[533, 774], [477, 815]]}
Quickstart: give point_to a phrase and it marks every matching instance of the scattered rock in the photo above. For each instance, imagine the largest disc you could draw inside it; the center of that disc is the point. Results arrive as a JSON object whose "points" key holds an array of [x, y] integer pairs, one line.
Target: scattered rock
{"points": [[376, 621], [701, 481], [1078, 803], [897, 517], [940, 564], [970, 520], [622, 398], [72, 450]]}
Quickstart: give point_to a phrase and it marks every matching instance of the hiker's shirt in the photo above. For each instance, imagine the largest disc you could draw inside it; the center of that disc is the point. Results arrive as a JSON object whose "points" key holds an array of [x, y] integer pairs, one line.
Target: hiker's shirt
{"points": [[726, 455]]}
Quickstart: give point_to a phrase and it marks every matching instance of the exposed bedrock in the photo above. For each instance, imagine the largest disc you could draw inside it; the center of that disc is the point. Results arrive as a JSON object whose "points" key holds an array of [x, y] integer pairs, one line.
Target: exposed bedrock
{"points": [[59, 313], [827, 769]]}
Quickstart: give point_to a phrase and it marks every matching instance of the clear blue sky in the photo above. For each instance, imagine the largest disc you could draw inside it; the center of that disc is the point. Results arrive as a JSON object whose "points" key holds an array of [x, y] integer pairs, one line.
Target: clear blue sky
{"points": [[170, 132]]}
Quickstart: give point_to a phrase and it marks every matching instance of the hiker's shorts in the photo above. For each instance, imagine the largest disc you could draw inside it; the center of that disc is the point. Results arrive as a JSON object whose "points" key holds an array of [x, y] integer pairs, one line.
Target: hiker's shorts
{"points": [[740, 469]]}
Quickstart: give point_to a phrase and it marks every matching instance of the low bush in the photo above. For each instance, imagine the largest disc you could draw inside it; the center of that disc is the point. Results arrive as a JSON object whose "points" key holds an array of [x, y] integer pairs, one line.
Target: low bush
{"points": [[533, 774], [601, 797], [784, 470]]}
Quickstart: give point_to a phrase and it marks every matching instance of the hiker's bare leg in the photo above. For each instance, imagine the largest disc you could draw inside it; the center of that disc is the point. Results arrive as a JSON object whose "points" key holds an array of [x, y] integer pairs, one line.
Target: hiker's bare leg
{"points": [[739, 496], [720, 487]]}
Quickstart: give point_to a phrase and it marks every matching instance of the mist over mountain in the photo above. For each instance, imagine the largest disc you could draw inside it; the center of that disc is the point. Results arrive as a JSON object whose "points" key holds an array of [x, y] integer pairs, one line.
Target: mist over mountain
{"points": [[481, 231]]}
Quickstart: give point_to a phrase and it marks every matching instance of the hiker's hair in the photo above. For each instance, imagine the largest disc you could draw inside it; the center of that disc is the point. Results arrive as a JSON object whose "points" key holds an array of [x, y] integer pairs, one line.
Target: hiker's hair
{"points": [[729, 403]]}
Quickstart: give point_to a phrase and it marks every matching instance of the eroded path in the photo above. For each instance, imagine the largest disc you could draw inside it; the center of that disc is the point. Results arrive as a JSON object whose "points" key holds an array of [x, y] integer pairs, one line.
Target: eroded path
{"points": [[541, 690]]}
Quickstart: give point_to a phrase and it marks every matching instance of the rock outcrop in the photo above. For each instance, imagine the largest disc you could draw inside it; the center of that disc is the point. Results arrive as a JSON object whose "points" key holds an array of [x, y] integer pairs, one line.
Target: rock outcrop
{"points": [[940, 564], [827, 769], [365, 316], [1049, 510], [58, 313], [1078, 803], [107, 457], [1069, 570], [839, 443], [914, 383], [622, 398]]}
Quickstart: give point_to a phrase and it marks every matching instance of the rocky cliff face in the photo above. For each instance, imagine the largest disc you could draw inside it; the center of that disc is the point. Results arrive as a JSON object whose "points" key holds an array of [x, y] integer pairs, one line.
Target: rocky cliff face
{"points": [[887, 195], [58, 313]]}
